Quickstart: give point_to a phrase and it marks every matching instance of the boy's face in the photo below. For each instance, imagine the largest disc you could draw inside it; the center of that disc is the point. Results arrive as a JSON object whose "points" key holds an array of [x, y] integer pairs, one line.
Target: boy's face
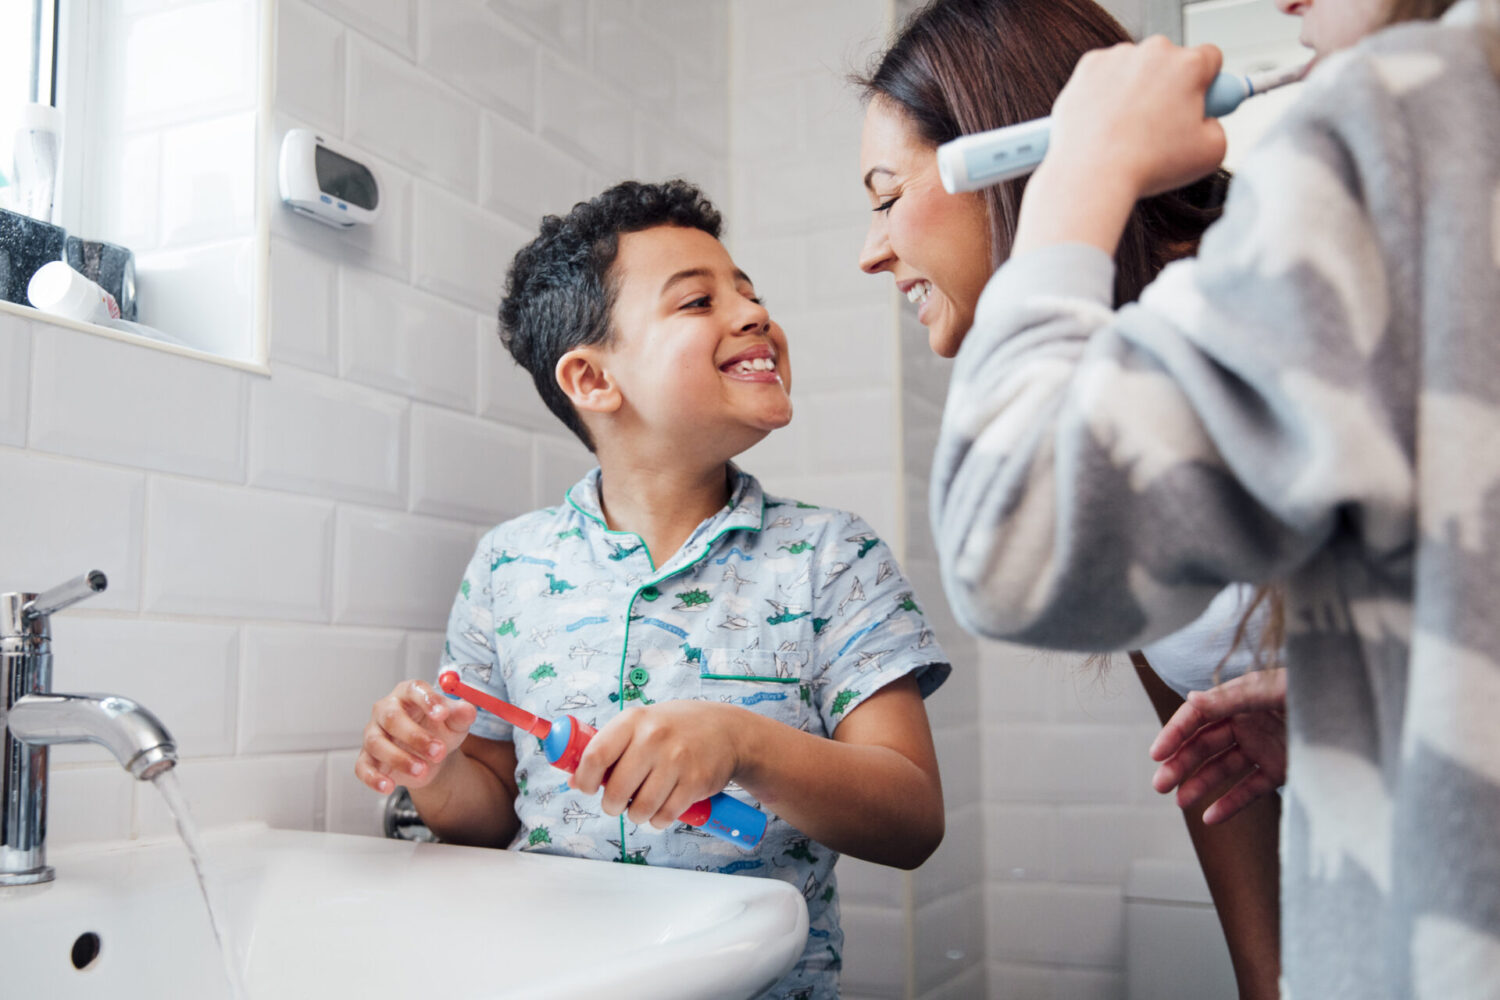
{"points": [[699, 363]]}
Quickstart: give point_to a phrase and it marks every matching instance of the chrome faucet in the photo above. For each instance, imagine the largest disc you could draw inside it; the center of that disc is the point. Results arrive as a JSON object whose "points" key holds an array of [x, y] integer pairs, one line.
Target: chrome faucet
{"points": [[34, 718]]}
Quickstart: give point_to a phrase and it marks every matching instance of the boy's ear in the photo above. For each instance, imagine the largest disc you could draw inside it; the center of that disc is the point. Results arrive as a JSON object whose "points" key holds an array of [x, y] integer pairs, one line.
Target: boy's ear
{"points": [[586, 382]]}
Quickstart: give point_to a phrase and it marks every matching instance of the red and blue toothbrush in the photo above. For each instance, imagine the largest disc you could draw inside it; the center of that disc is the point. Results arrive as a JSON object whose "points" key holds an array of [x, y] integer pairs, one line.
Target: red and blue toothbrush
{"points": [[563, 741]]}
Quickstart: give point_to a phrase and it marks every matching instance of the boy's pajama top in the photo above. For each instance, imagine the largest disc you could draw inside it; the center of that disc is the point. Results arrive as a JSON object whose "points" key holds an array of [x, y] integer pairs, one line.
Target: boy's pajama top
{"points": [[796, 612]]}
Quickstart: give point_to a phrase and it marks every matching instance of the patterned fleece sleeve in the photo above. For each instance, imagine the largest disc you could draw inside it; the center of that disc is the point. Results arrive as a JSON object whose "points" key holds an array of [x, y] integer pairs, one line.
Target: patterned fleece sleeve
{"points": [[1101, 475], [470, 647]]}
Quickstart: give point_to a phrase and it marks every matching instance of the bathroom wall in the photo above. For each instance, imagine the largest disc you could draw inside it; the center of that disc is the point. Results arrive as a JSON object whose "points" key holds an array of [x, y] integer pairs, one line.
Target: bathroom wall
{"points": [[281, 550]]}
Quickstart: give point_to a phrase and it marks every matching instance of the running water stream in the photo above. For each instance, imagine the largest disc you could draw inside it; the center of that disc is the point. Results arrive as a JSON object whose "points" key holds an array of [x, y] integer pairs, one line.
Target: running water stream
{"points": [[171, 793]]}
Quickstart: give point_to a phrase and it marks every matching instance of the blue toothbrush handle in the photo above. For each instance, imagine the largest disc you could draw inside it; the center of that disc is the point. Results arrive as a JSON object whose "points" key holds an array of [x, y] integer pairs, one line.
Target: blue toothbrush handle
{"points": [[733, 820]]}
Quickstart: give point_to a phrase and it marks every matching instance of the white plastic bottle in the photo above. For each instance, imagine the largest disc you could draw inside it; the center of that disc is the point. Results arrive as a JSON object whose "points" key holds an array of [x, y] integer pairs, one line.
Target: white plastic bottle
{"points": [[57, 288], [38, 159]]}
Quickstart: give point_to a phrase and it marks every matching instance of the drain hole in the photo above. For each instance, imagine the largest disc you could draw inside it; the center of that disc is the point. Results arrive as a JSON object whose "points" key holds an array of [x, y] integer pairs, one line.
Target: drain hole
{"points": [[85, 950]]}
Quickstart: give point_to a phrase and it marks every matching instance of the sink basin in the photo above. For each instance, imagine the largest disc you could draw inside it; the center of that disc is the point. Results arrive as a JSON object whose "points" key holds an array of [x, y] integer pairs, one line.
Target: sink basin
{"points": [[330, 915]]}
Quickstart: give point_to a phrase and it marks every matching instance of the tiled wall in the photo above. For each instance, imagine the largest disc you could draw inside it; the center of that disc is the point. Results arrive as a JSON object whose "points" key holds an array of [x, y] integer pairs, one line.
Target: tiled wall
{"points": [[282, 550]]}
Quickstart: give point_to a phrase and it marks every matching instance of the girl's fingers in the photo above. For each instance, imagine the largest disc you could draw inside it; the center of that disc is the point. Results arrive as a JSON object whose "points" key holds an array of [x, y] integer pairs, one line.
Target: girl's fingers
{"points": [[1207, 742], [1254, 785], [1255, 690], [1184, 722], [1216, 773]]}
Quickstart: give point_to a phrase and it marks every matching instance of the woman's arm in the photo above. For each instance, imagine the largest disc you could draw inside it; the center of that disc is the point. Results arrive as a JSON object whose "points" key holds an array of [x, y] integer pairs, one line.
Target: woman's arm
{"points": [[1241, 863]]}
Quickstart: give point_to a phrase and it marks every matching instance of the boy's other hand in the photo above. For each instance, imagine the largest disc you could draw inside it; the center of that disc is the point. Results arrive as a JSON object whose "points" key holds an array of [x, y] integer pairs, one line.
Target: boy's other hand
{"points": [[655, 761], [411, 732]]}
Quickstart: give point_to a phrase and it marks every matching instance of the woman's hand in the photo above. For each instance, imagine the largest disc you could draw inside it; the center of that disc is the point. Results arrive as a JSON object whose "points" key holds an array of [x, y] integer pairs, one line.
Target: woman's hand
{"points": [[1129, 124], [1136, 112], [655, 761], [411, 732], [1233, 732]]}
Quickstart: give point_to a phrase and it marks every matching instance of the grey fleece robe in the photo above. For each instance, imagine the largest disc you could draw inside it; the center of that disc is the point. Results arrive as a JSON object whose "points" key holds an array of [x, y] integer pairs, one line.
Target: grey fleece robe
{"points": [[1314, 398]]}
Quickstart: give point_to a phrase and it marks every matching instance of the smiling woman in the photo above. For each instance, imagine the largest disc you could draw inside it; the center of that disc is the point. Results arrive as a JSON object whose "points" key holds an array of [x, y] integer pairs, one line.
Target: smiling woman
{"points": [[964, 66]]}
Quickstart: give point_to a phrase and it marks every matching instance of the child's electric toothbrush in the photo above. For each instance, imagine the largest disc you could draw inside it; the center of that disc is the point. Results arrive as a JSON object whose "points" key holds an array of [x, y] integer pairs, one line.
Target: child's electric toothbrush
{"points": [[976, 161], [563, 741]]}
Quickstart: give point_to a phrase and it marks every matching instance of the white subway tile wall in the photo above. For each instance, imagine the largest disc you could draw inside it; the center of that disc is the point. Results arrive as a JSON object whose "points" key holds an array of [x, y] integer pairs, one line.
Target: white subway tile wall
{"points": [[15, 378], [182, 671]]}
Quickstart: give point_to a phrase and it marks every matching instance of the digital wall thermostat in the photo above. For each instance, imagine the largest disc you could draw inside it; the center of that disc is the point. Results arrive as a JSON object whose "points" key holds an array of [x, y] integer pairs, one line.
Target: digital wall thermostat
{"points": [[319, 181]]}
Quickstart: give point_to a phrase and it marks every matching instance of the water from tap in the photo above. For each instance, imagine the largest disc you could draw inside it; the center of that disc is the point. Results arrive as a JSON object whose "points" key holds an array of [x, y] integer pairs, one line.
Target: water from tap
{"points": [[171, 793]]}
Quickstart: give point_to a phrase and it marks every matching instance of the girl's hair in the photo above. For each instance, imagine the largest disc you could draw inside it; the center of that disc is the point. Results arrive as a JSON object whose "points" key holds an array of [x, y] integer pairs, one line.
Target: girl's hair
{"points": [[961, 66]]}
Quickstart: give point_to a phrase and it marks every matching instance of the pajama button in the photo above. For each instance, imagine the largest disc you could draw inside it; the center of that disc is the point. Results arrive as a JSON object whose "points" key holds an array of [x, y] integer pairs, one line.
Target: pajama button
{"points": [[639, 677]]}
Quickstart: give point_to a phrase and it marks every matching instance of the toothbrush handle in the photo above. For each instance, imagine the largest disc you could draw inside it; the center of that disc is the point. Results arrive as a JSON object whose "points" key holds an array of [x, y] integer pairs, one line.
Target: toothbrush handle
{"points": [[976, 161], [721, 815]]}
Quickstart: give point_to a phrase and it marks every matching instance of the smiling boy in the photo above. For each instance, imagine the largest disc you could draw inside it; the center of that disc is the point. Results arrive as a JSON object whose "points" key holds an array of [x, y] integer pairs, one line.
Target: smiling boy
{"points": [[717, 636]]}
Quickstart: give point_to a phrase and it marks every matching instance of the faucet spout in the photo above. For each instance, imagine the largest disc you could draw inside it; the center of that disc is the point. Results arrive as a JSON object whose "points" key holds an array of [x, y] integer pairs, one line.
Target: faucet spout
{"points": [[127, 729]]}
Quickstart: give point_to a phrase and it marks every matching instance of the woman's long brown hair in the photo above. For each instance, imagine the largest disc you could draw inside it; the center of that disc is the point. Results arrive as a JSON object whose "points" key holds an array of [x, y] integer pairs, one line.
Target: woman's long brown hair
{"points": [[962, 66]]}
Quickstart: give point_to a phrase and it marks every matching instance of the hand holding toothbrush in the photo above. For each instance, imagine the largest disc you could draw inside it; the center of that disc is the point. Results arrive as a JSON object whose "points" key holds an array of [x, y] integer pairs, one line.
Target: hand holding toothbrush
{"points": [[655, 761], [1136, 112], [1129, 124], [411, 732]]}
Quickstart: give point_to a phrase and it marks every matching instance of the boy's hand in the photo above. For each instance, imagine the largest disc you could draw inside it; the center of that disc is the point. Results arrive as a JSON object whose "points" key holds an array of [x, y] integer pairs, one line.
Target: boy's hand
{"points": [[411, 732], [1136, 112], [660, 759]]}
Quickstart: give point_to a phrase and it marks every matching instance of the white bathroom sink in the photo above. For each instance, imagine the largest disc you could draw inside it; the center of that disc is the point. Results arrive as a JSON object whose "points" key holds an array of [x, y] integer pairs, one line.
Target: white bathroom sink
{"points": [[333, 916]]}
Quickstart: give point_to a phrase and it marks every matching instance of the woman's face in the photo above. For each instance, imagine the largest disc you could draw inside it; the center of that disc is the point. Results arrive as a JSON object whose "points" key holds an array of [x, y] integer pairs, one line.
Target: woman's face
{"points": [[935, 244]]}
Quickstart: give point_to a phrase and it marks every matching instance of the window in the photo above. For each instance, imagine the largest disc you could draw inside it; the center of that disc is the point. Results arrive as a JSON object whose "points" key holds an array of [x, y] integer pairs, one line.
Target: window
{"points": [[28, 71], [162, 105]]}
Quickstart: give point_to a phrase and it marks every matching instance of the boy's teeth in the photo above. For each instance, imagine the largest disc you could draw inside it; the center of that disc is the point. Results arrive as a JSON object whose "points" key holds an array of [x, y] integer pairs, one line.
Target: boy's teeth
{"points": [[755, 365]]}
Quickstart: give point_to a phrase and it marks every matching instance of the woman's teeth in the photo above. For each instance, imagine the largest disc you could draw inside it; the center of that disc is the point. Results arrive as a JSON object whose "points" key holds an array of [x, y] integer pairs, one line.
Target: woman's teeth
{"points": [[918, 293], [753, 365]]}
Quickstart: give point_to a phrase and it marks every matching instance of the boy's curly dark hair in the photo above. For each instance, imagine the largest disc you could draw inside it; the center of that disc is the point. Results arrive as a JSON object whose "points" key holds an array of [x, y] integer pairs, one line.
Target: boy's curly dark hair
{"points": [[559, 294]]}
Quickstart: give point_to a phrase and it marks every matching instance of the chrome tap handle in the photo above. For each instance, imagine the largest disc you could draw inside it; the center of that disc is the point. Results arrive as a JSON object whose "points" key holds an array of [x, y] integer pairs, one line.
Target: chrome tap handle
{"points": [[65, 594]]}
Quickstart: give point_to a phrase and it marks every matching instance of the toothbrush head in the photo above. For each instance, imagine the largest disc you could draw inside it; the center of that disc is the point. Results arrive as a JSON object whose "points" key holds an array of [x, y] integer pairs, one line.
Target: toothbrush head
{"points": [[449, 681]]}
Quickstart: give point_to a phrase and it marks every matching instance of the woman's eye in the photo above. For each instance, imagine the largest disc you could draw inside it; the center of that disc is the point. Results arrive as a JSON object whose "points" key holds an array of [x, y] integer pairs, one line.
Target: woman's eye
{"points": [[885, 206]]}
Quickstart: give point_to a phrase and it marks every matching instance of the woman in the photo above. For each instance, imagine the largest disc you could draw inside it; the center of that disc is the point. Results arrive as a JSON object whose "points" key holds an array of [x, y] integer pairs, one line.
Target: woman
{"points": [[961, 66], [1313, 398]]}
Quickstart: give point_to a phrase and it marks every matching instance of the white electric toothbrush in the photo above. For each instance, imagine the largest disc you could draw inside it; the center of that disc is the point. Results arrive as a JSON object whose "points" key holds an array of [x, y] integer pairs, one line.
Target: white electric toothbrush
{"points": [[976, 161]]}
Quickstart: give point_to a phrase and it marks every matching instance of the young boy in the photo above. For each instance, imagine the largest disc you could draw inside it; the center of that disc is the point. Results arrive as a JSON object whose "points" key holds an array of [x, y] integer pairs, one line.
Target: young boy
{"points": [[717, 637]]}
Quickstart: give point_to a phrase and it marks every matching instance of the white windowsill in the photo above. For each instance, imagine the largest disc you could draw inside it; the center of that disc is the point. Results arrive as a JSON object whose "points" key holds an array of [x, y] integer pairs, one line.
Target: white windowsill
{"points": [[37, 316]]}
